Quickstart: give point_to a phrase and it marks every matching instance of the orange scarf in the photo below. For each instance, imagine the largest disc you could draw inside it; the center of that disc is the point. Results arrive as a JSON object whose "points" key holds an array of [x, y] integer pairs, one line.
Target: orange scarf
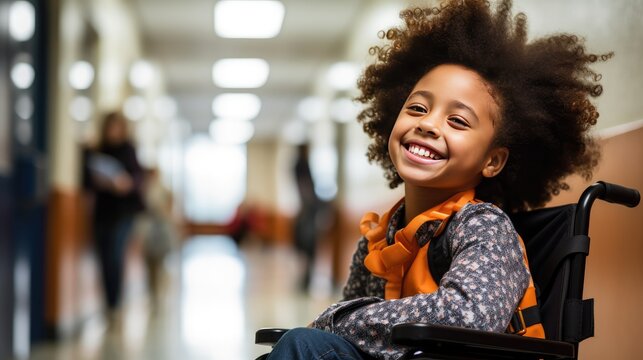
{"points": [[392, 262]]}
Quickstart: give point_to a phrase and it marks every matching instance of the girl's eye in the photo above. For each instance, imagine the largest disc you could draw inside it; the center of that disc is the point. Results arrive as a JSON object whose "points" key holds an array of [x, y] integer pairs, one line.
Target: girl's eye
{"points": [[459, 122], [417, 108]]}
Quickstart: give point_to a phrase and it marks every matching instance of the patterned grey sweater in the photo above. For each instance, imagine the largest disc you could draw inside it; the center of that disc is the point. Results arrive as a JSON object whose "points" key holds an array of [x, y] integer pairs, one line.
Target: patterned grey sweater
{"points": [[481, 289]]}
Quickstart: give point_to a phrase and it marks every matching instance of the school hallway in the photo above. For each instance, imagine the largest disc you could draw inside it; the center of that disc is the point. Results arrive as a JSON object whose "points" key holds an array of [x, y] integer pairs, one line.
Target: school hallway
{"points": [[249, 160]]}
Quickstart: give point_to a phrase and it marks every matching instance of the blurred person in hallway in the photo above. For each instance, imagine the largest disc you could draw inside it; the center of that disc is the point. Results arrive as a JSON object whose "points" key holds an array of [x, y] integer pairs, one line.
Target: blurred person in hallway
{"points": [[159, 233], [306, 229], [115, 178]]}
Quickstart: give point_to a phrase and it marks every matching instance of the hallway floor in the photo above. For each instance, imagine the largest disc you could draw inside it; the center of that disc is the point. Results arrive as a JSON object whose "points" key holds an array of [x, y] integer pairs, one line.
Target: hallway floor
{"points": [[216, 297]]}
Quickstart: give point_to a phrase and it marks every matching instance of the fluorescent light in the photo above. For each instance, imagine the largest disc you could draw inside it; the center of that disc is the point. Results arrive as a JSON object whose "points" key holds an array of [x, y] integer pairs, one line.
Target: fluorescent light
{"points": [[165, 107], [134, 108], [24, 107], [81, 108], [231, 132], [240, 73], [343, 75], [22, 20], [81, 75], [258, 19], [141, 74], [236, 106], [22, 75], [311, 108]]}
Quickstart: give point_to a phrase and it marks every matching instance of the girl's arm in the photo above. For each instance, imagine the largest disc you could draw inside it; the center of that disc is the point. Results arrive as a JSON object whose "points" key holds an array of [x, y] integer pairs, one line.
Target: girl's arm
{"points": [[486, 280], [360, 282]]}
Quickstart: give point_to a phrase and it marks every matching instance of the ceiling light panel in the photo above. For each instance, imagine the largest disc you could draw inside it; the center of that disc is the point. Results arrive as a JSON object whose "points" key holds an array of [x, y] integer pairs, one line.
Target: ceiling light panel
{"points": [[81, 75], [23, 75], [312, 108], [230, 132], [142, 74], [135, 107], [236, 106], [254, 19], [22, 20], [240, 73]]}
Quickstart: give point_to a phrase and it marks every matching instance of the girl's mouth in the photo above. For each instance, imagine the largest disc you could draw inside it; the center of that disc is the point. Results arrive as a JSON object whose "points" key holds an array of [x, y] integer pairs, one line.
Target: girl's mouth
{"points": [[424, 152]]}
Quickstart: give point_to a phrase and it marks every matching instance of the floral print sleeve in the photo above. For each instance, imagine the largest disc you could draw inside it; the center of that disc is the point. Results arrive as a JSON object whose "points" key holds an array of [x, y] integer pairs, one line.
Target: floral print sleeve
{"points": [[360, 282], [483, 286]]}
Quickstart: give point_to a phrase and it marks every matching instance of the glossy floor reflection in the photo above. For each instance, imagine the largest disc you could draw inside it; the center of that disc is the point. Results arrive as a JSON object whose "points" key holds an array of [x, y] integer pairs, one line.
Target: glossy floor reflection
{"points": [[216, 296]]}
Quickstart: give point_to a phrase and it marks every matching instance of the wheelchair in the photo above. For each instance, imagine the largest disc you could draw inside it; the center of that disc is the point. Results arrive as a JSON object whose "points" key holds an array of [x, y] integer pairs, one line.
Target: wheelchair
{"points": [[557, 244]]}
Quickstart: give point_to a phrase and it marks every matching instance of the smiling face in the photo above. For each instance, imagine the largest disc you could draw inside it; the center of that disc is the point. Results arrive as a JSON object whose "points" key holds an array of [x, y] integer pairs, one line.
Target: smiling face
{"points": [[442, 138]]}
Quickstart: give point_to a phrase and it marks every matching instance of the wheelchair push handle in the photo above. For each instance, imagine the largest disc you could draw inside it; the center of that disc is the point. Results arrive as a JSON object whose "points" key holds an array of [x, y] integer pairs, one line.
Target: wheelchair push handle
{"points": [[605, 191], [620, 194]]}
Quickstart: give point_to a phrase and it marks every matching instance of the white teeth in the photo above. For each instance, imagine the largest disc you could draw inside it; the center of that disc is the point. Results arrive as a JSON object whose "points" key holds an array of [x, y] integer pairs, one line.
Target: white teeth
{"points": [[423, 152]]}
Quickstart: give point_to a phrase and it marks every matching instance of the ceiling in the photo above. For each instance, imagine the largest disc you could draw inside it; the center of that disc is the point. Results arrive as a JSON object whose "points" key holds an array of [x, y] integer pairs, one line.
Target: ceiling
{"points": [[179, 36]]}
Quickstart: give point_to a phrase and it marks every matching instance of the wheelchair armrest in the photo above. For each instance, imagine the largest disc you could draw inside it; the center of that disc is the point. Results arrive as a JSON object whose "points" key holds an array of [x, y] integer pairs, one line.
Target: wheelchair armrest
{"points": [[441, 339], [269, 336]]}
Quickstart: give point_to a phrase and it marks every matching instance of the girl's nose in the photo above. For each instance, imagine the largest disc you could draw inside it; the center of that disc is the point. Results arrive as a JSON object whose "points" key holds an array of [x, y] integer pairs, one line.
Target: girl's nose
{"points": [[429, 125]]}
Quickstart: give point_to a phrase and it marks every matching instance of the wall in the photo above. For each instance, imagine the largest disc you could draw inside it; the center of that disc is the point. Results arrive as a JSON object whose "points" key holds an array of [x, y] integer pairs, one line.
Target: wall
{"points": [[606, 26], [268, 190], [262, 173]]}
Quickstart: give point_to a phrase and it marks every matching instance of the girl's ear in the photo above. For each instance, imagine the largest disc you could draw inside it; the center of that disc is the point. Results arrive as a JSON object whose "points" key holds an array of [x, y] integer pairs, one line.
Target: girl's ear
{"points": [[495, 162]]}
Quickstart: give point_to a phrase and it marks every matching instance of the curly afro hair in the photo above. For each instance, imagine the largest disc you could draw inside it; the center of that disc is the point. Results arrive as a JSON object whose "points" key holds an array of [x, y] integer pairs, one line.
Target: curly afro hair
{"points": [[543, 88]]}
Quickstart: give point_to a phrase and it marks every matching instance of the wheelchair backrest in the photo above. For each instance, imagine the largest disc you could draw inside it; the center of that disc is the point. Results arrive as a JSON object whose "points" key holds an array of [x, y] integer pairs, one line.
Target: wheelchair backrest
{"points": [[542, 231]]}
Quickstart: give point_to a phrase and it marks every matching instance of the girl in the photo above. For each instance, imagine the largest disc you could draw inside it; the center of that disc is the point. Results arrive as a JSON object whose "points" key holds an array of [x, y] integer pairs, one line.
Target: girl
{"points": [[474, 122]]}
